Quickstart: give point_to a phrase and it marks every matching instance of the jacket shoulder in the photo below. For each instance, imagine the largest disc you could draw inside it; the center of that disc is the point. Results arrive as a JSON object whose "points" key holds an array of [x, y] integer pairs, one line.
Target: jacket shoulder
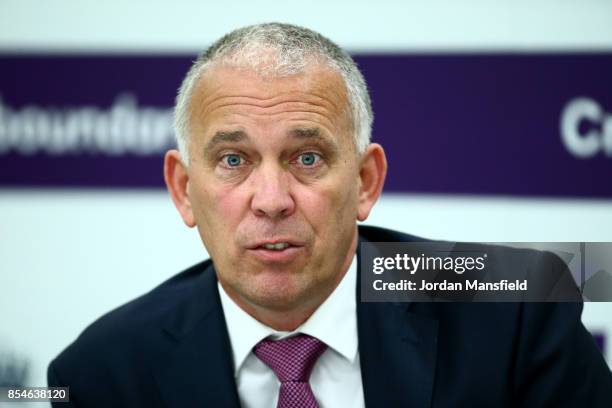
{"points": [[151, 307], [130, 330], [379, 234]]}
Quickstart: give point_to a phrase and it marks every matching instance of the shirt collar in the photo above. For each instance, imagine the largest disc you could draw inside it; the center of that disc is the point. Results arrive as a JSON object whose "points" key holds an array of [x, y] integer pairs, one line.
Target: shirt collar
{"points": [[334, 322]]}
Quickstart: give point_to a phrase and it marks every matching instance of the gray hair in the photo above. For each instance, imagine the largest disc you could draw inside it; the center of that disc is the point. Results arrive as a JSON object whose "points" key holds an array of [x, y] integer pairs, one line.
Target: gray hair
{"points": [[279, 50]]}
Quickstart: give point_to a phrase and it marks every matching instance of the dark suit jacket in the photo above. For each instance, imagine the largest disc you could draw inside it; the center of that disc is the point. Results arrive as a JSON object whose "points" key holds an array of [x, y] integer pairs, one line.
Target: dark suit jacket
{"points": [[170, 348]]}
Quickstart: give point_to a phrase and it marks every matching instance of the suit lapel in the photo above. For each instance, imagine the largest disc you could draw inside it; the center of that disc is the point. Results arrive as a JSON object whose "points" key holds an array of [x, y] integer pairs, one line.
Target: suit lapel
{"points": [[397, 349], [196, 369]]}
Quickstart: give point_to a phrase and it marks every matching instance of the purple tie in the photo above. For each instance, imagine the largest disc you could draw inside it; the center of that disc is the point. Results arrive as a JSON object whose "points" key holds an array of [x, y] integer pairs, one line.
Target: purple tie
{"points": [[292, 360]]}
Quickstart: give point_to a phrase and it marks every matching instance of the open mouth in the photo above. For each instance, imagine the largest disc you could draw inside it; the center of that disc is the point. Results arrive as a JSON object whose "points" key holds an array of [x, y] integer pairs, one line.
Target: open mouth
{"points": [[281, 251], [279, 246]]}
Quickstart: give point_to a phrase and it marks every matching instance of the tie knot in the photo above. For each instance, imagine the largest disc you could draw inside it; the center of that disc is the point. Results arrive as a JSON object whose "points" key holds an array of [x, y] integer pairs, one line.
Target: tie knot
{"points": [[291, 359]]}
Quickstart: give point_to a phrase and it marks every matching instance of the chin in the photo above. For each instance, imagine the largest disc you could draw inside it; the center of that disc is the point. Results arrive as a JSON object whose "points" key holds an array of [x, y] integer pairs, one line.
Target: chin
{"points": [[278, 292]]}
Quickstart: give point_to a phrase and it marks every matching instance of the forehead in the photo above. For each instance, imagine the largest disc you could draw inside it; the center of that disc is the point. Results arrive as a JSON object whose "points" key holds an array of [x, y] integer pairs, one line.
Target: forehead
{"points": [[224, 93]]}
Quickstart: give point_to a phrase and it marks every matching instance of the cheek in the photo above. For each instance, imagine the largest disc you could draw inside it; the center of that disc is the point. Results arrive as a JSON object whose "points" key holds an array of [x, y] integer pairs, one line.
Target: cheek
{"points": [[218, 215], [216, 207], [329, 207], [230, 204]]}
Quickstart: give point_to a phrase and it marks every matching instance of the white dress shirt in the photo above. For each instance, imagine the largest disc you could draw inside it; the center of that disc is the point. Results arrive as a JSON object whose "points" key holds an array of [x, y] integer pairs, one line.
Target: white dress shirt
{"points": [[336, 377]]}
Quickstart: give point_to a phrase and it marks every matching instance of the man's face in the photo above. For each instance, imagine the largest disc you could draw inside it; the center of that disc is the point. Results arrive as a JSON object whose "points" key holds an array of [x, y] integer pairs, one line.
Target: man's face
{"points": [[274, 183]]}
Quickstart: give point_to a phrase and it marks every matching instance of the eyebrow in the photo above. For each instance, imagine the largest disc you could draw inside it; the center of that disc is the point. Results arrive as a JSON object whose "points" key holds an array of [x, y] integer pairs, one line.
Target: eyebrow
{"points": [[301, 133], [305, 133], [313, 134], [234, 136]]}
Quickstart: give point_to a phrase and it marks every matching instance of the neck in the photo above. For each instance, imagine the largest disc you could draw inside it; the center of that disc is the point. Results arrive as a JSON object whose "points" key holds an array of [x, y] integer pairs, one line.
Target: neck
{"points": [[284, 321]]}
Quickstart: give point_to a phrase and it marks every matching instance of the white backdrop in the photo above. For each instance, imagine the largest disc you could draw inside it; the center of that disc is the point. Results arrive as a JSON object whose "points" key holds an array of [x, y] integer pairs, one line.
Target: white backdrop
{"points": [[67, 256]]}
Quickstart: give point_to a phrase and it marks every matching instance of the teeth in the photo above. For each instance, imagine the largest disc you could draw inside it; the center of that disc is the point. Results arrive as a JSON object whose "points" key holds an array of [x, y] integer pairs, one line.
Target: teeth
{"points": [[278, 246]]}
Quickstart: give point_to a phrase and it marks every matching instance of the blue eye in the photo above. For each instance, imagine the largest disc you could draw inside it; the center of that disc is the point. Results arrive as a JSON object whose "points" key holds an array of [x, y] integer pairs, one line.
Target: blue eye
{"points": [[232, 160], [309, 159]]}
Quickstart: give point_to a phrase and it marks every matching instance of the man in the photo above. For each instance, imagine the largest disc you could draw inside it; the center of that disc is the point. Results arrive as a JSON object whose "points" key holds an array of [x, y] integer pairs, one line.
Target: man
{"points": [[274, 168]]}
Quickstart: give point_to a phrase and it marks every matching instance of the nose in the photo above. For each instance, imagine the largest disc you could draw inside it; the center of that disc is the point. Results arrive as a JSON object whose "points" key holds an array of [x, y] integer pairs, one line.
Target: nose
{"points": [[271, 192]]}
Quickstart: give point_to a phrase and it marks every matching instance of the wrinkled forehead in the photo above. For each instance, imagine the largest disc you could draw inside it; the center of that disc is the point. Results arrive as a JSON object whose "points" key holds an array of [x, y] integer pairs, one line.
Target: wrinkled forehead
{"points": [[225, 83]]}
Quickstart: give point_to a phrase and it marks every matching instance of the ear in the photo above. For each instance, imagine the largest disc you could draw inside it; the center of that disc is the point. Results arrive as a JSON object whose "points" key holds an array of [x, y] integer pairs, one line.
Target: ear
{"points": [[177, 181], [372, 173]]}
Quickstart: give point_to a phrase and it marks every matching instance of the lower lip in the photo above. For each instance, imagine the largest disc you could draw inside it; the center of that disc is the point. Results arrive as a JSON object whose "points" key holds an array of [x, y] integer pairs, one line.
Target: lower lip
{"points": [[276, 256]]}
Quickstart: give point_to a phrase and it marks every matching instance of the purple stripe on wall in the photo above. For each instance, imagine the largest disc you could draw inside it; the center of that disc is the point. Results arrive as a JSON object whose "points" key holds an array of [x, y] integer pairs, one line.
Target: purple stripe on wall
{"points": [[460, 123], [487, 123]]}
